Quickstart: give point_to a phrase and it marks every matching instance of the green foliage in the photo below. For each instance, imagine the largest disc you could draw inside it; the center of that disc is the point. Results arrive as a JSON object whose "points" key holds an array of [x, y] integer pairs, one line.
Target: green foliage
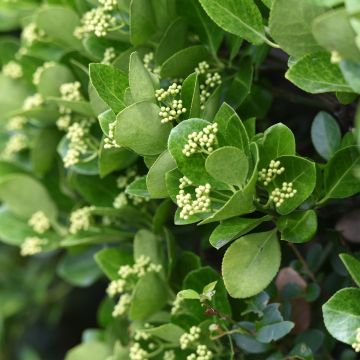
{"points": [[123, 121]]}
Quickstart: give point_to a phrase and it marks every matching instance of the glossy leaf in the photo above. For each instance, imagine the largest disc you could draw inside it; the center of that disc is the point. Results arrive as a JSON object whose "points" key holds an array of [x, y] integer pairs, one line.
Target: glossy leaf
{"points": [[250, 263], [352, 265]]}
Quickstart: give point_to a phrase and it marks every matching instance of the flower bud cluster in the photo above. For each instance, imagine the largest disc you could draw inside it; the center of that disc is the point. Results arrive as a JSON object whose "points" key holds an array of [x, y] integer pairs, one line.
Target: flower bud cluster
{"points": [[202, 141], [188, 339], [172, 91], [149, 65], [108, 5], [120, 201], [71, 91], [142, 266], [122, 306], [16, 123], [80, 219], [202, 68], [212, 79], [141, 335], [38, 72], [269, 174], [176, 305], [33, 101], [188, 206], [109, 141], [15, 144], [31, 34], [76, 134], [39, 222], [202, 353], [32, 245], [12, 70], [279, 195], [137, 352], [116, 287], [109, 56], [169, 355], [356, 344], [172, 112], [98, 21]]}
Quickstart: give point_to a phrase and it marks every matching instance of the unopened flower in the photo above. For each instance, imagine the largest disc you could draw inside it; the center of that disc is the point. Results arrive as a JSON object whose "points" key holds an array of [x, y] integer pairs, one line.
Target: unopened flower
{"points": [[38, 72], [31, 34], [109, 141], [80, 219], [122, 306], [202, 353], [120, 201], [266, 175], [116, 287], [109, 56], [32, 245], [279, 195], [173, 90], [202, 68], [169, 355], [189, 338], [33, 101], [356, 343], [149, 65], [137, 352], [108, 4], [13, 70], [15, 144], [71, 91], [172, 112], [16, 123], [39, 222], [98, 21], [63, 122], [202, 141], [190, 206]]}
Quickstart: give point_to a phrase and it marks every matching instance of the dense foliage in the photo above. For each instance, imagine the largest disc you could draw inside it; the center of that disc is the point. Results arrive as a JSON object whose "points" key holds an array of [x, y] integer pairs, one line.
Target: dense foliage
{"points": [[193, 165]]}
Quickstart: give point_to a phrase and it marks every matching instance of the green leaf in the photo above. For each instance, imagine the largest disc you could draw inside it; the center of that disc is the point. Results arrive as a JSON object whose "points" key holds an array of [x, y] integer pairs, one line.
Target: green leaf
{"points": [[13, 230], [188, 294], [114, 159], [88, 350], [197, 280], [139, 128], [197, 19], [353, 267], [228, 164], [342, 315], [241, 85], [342, 40], [110, 84], [109, 261], [250, 263], [325, 134], [231, 229], [138, 188], [301, 172], [278, 141], [155, 179], [140, 81], [41, 160], [59, 23], [142, 21], [241, 18], [25, 195], [147, 244], [14, 92], [173, 40], [339, 176], [315, 74], [184, 61], [287, 15], [149, 296], [190, 95], [274, 332], [298, 227], [193, 166], [351, 72], [81, 106], [52, 78], [79, 269], [170, 333]]}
